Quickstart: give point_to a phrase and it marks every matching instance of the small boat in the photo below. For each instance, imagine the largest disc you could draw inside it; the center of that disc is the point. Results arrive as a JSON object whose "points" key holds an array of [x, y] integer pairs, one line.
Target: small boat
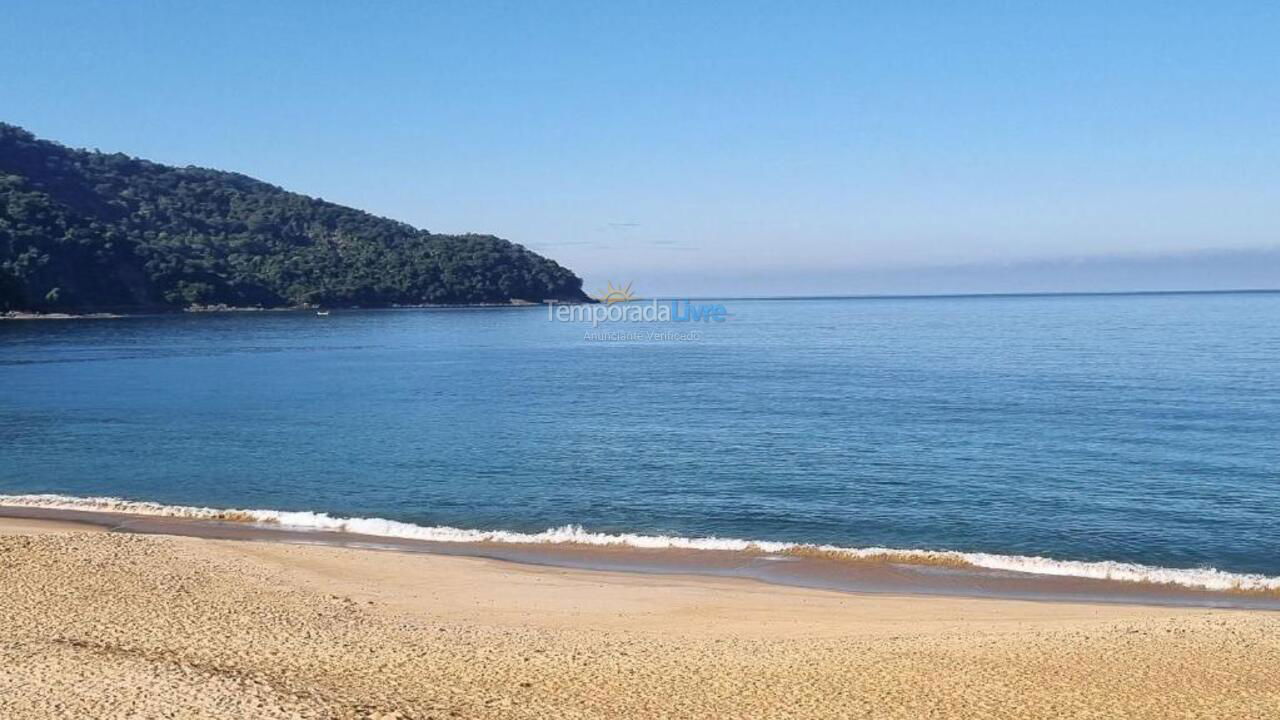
{"points": [[322, 313]]}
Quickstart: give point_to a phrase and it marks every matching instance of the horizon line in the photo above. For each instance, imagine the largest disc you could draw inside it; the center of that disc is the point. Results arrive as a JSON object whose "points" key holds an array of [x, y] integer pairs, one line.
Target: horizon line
{"points": [[927, 296]]}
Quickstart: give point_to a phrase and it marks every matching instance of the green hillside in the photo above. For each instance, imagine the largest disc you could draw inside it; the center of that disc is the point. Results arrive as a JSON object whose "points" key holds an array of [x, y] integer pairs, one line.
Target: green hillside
{"points": [[83, 230]]}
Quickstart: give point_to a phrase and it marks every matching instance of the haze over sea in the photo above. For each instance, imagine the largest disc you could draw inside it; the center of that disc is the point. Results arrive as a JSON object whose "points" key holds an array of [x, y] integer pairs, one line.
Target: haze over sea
{"points": [[1130, 428]]}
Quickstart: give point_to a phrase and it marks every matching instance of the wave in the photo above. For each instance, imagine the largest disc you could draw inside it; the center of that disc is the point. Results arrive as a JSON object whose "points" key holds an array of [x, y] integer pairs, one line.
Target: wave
{"points": [[1197, 578]]}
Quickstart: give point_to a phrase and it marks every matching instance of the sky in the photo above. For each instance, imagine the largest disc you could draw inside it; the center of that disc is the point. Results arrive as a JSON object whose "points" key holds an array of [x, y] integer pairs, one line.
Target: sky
{"points": [[698, 148]]}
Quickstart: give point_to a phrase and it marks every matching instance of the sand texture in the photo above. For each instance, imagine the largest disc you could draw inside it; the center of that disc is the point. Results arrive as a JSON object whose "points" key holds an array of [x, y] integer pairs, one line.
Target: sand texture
{"points": [[106, 625]]}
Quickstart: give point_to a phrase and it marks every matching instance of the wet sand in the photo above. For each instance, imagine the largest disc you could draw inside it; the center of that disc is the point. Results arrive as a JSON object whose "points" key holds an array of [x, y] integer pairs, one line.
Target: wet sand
{"points": [[116, 625], [28, 526]]}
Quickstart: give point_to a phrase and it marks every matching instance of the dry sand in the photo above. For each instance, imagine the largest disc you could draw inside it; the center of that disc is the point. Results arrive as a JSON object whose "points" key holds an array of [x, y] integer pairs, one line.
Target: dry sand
{"points": [[105, 625]]}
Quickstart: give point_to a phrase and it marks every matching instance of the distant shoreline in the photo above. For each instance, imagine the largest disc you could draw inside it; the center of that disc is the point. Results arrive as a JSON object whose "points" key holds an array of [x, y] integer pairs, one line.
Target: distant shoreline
{"points": [[23, 315], [224, 310], [216, 310]]}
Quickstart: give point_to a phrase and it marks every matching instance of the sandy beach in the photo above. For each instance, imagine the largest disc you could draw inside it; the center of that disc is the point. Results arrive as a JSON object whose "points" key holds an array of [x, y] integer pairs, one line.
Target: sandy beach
{"points": [[111, 625]]}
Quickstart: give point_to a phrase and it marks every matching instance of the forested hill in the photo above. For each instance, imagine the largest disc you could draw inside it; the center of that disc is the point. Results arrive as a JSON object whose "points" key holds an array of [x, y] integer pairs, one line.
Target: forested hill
{"points": [[84, 230]]}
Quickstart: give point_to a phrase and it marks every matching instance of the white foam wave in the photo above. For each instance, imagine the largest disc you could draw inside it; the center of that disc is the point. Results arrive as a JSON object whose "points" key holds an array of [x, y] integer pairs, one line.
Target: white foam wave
{"points": [[1199, 578]]}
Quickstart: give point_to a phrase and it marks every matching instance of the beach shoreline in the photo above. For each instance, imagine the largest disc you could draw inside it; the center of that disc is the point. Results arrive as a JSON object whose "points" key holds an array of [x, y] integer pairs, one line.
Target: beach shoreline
{"points": [[109, 624], [885, 575]]}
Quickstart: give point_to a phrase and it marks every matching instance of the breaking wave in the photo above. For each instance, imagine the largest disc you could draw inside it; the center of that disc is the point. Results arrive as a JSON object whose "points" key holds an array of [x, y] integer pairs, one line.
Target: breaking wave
{"points": [[1198, 578]]}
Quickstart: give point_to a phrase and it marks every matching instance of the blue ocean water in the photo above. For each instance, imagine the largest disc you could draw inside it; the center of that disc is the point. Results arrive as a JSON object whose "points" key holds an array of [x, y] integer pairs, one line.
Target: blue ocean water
{"points": [[1139, 428]]}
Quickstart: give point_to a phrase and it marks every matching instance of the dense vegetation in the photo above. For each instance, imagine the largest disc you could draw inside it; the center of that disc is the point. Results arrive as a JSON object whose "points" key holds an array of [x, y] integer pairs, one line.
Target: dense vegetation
{"points": [[84, 230]]}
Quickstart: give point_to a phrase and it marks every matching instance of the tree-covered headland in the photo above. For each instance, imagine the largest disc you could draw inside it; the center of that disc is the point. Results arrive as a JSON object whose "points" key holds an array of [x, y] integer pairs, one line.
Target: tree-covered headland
{"points": [[91, 231]]}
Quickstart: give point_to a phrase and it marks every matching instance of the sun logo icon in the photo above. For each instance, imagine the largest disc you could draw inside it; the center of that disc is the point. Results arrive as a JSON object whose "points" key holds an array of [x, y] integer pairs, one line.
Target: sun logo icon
{"points": [[615, 294]]}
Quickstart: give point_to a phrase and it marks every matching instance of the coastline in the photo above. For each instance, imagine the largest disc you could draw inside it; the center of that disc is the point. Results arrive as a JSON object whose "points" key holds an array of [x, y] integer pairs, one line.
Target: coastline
{"points": [[516, 303], [234, 309], [24, 315], [110, 624], [890, 573]]}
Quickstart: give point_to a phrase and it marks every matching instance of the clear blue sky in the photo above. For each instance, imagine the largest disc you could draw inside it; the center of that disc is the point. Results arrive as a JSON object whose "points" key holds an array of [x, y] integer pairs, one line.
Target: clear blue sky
{"points": [[697, 147]]}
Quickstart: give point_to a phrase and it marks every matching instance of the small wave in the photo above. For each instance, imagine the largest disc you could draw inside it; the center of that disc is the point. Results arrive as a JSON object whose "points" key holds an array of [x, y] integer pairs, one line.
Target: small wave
{"points": [[1198, 578]]}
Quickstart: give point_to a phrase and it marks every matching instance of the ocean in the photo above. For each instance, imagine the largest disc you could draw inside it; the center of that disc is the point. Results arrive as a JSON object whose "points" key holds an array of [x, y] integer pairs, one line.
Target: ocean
{"points": [[1091, 435]]}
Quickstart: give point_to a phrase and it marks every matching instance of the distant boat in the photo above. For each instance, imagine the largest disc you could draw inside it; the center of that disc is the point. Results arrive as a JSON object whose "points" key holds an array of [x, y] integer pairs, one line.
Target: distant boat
{"points": [[322, 313]]}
